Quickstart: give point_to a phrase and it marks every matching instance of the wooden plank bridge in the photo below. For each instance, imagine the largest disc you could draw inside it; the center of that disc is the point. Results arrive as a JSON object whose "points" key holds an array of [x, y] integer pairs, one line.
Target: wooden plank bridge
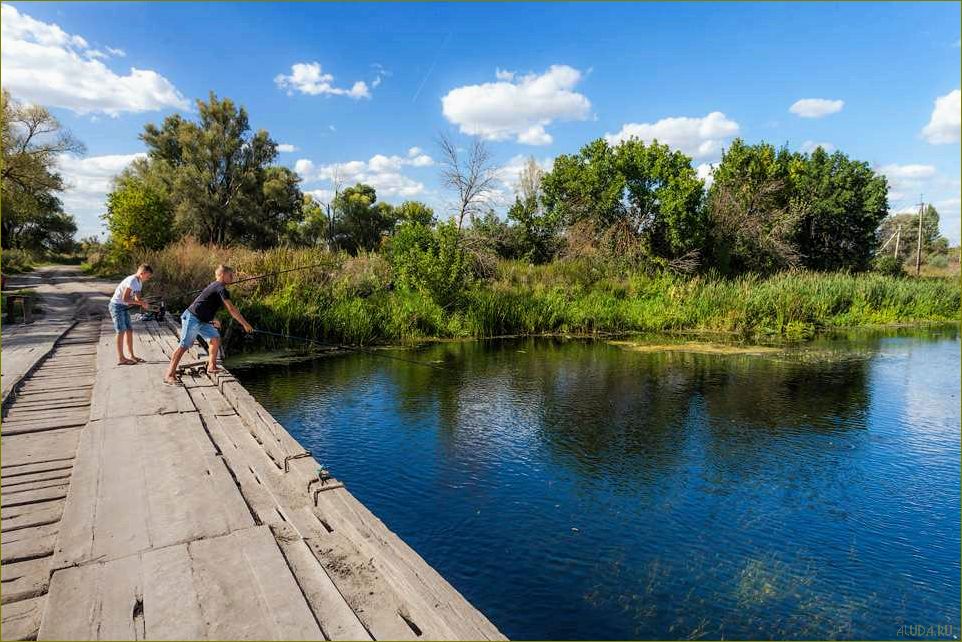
{"points": [[134, 510]]}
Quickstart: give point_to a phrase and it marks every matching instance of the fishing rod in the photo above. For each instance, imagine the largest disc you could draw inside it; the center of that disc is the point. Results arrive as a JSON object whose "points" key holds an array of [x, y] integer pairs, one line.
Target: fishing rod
{"points": [[354, 348], [239, 281]]}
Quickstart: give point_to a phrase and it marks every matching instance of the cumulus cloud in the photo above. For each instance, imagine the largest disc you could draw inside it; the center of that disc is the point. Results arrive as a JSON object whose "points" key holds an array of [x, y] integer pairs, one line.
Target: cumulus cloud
{"points": [[383, 173], [44, 64], [286, 148], [946, 120], [706, 172], [810, 146], [309, 78], [518, 107], [696, 137], [88, 181], [816, 107]]}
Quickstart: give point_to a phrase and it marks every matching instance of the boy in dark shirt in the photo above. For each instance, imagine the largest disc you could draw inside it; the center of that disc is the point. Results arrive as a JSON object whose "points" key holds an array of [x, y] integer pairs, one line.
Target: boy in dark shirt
{"points": [[198, 320]]}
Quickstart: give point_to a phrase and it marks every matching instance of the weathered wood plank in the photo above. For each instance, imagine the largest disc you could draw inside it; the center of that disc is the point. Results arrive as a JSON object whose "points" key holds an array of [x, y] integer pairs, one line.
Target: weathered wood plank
{"points": [[23, 580], [37, 449], [32, 515], [21, 620]]}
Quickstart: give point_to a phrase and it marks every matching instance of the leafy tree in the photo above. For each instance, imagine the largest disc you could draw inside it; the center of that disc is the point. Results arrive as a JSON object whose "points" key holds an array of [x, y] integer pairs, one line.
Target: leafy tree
{"points": [[841, 203], [219, 176], [362, 222], [752, 218], [313, 228], [431, 260], [139, 215], [32, 141], [647, 189], [538, 229], [416, 212], [932, 241]]}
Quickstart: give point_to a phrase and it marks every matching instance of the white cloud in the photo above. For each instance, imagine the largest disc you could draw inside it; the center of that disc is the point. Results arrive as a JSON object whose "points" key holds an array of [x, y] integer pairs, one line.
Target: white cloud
{"points": [[286, 148], [810, 146], [517, 107], [706, 172], [946, 120], [308, 78], [816, 107], [910, 172], [88, 180], [44, 64], [697, 137], [383, 173]]}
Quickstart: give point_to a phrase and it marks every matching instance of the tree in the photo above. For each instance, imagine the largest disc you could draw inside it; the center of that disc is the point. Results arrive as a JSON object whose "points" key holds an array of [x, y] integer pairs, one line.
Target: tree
{"points": [[932, 241], [415, 211], [472, 177], [219, 176], [752, 220], [646, 190], [32, 142], [538, 230], [139, 215], [841, 203], [430, 261], [362, 222], [313, 228]]}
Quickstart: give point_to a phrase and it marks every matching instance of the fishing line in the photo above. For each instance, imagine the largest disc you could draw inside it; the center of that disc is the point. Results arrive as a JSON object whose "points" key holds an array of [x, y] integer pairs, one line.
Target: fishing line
{"points": [[354, 348]]}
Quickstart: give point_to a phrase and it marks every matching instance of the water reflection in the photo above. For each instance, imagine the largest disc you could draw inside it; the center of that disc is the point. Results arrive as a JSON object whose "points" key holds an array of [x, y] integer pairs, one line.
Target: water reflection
{"points": [[619, 494]]}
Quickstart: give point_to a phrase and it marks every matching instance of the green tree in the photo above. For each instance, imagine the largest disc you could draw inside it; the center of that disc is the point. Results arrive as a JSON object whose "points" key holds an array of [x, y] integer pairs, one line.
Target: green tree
{"points": [[647, 189], [415, 211], [313, 228], [431, 261], [139, 215], [752, 219], [362, 222], [538, 229], [219, 176], [840, 204], [932, 241], [32, 141]]}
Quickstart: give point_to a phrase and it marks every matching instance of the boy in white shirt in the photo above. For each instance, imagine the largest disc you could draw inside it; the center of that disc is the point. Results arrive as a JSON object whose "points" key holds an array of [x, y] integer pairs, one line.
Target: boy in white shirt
{"points": [[125, 297]]}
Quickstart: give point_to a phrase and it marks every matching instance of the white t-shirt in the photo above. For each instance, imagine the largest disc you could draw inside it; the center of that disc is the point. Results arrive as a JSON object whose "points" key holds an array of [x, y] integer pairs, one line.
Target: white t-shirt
{"points": [[131, 282]]}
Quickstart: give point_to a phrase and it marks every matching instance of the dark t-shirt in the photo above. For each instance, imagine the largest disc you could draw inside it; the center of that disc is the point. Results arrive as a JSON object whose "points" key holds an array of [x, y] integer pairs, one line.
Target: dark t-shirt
{"points": [[209, 301]]}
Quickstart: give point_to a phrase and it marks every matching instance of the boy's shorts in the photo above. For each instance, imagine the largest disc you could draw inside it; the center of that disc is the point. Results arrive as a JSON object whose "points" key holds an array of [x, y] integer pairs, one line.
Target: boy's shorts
{"points": [[120, 315], [191, 327]]}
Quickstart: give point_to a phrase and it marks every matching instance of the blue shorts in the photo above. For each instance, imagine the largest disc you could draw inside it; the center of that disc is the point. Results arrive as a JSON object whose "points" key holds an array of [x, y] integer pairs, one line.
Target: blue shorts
{"points": [[120, 315], [191, 327]]}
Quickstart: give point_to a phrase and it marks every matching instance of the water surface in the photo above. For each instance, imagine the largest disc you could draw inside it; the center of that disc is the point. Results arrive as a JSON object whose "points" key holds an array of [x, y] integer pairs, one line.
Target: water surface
{"points": [[574, 489]]}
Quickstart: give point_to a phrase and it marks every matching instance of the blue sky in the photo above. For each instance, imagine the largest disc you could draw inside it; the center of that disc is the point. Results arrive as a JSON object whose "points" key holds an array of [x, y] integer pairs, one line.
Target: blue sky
{"points": [[357, 86]]}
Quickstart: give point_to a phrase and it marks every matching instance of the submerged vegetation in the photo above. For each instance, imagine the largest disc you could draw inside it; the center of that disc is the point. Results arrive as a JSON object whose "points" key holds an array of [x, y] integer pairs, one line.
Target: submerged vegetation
{"points": [[361, 300]]}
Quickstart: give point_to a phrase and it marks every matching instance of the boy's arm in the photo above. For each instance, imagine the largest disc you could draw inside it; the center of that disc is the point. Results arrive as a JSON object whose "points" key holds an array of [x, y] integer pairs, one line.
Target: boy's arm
{"points": [[234, 312], [132, 298]]}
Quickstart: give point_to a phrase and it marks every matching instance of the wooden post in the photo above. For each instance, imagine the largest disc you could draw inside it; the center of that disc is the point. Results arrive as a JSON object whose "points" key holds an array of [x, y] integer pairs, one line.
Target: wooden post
{"points": [[918, 256], [898, 237]]}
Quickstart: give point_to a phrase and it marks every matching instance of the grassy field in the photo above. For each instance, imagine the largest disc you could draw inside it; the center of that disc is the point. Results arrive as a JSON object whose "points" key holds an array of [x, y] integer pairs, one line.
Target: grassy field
{"points": [[352, 299]]}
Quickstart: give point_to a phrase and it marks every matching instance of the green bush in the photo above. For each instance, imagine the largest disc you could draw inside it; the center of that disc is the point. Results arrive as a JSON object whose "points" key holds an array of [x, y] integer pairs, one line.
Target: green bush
{"points": [[16, 261], [888, 265], [431, 261]]}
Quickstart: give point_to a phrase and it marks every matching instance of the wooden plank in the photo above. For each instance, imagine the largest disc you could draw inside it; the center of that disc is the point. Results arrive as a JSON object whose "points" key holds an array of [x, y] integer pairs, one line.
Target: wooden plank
{"points": [[38, 496], [259, 578], [41, 425], [35, 449], [24, 580], [95, 602], [136, 390], [337, 620], [146, 482], [28, 543], [29, 480], [21, 620], [33, 515]]}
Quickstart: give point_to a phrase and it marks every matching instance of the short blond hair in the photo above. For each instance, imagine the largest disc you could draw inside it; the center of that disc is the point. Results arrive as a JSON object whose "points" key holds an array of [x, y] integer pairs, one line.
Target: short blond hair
{"points": [[223, 268]]}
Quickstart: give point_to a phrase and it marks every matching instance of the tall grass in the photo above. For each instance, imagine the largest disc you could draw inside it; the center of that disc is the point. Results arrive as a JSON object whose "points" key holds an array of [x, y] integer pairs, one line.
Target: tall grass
{"points": [[352, 299]]}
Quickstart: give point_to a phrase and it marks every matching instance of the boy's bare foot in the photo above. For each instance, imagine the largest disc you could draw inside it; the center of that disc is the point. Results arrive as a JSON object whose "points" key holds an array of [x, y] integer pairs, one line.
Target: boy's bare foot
{"points": [[138, 360], [171, 381], [126, 362]]}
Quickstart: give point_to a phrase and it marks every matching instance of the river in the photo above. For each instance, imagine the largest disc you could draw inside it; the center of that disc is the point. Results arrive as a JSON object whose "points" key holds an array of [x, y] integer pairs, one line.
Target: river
{"points": [[578, 489]]}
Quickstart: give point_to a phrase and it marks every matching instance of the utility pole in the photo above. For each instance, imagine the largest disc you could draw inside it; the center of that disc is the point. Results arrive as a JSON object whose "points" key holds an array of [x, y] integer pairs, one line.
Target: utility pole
{"points": [[898, 237], [918, 256]]}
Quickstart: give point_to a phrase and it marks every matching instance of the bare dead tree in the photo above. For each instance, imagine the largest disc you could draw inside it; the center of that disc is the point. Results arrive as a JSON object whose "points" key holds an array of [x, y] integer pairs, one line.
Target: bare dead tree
{"points": [[472, 176]]}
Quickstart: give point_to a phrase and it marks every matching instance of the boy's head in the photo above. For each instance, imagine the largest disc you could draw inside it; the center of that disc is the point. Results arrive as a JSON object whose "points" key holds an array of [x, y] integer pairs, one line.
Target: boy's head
{"points": [[224, 274], [145, 272]]}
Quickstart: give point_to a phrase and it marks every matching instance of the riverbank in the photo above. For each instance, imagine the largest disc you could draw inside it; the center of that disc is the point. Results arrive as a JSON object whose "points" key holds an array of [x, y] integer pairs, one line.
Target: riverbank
{"points": [[345, 299]]}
